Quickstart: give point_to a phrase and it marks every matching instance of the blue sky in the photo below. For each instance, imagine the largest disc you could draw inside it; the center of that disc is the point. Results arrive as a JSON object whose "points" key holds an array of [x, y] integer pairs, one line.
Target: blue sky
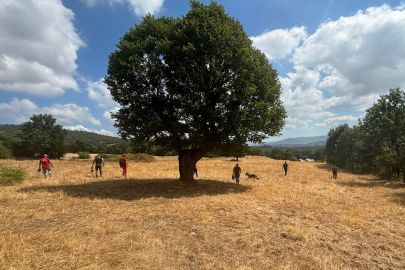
{"points": [[334, 58]]}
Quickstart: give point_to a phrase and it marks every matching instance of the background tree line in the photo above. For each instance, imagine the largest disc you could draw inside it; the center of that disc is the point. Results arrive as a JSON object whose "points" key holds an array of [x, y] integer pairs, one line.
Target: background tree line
{"points": [[41, 135], [377, 143]]}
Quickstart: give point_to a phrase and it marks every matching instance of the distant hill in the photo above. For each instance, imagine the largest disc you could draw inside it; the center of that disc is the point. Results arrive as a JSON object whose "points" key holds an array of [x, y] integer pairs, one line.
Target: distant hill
{"points": [[11, 131], [301, 142]]}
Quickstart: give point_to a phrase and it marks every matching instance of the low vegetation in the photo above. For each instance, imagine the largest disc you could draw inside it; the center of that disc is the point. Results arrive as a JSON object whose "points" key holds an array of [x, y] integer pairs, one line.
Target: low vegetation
{"points": [[10, 176], [84, 155], [150, 220]]}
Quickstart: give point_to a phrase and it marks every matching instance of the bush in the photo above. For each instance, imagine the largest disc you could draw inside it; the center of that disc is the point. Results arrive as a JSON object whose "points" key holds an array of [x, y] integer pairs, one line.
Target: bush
{"points": [[84, 155], [5, 153], [11, 176]]}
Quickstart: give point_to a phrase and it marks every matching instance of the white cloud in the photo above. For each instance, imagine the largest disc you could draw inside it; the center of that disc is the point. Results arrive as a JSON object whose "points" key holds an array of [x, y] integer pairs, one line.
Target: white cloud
{"points": [[279, 43], [82, 128], [107, 115], [99, 92], [38, 47], [295, 123], [21, 110], [18, 110], [320, 125], [346, 64], [138, 7], [66, 114], [351, 102], [340, 119], [358, 55]]}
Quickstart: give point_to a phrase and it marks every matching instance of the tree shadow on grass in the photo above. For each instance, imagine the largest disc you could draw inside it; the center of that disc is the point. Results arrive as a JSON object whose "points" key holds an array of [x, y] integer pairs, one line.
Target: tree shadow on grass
{"points": [[135, 189], [399, 198], [372, 182]]}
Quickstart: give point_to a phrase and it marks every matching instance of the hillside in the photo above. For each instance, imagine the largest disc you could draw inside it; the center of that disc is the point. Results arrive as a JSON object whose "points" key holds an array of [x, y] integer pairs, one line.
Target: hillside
{"points": [[12, 131], [300, 142]]}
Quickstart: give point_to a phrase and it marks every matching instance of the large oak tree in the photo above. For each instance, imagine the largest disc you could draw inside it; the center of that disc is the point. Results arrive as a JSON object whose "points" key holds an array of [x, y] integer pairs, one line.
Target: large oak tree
{"points": [[193, 84]]}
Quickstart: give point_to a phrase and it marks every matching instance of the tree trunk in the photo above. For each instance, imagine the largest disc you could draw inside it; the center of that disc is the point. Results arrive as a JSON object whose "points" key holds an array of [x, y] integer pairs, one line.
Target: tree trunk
{"points": [[187, 159]]}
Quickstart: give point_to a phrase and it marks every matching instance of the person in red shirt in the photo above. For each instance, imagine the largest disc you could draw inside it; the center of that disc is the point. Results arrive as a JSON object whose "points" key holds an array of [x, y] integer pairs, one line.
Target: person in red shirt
{"points": [[124, 165], [46, 165]]}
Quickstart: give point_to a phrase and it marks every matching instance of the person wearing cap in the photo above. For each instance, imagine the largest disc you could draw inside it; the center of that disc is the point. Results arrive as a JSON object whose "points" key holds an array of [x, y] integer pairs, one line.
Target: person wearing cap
{"points": [[46, 165], [124, 165], [236, 173]]}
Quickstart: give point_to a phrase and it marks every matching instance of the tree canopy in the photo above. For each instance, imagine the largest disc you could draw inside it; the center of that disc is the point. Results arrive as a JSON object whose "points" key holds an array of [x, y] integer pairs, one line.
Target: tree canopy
{"points": [[41, 136], [193, 84], [377, 143]]}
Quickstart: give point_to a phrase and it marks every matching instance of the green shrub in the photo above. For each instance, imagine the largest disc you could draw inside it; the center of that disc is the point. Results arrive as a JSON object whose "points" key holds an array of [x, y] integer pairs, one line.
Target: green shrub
{"points": [[5, 153], [11, 176], [84, 155]]}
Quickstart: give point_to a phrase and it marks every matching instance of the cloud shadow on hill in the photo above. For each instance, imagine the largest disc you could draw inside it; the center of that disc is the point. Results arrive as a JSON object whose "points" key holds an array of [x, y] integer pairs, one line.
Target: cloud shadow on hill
{"points": [[135, 189]]}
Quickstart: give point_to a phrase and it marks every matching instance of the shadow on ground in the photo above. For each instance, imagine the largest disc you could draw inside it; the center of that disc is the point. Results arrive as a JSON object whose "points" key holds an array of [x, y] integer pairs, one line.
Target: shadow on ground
{"points": [[135, 189], [399, 198], [372, 182]]}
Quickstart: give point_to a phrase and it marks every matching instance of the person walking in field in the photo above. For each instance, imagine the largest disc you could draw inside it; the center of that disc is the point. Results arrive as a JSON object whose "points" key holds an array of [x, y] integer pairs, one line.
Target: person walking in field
{"points": [[46, 164], [334, 171], [195, 170], [236, 173], [285, 167], [124, 164], [99, 164]]}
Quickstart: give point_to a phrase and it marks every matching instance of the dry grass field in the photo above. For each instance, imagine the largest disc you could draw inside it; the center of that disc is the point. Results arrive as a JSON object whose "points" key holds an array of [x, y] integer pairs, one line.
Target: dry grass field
{"points": [[305, 220]]}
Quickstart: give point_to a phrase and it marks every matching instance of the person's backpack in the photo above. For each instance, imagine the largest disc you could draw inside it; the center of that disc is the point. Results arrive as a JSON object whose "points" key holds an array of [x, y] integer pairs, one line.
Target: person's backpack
{"points": [[121, 162], [334, 169]]}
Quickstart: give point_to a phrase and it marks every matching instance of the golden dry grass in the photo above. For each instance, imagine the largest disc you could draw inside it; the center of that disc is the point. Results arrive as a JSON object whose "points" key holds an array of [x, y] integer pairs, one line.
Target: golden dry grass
{"points": [[305, 220]]}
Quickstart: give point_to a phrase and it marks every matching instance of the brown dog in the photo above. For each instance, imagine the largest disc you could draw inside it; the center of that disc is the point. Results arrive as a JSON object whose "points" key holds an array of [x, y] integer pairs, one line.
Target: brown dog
{"points": [[252, 176]]}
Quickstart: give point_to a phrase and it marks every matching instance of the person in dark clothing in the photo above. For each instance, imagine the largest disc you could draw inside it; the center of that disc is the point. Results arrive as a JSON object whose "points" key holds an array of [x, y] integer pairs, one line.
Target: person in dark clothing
{"points": [[334, 172], [285, 167], [99, 164], [236, 173], [195, 170]]}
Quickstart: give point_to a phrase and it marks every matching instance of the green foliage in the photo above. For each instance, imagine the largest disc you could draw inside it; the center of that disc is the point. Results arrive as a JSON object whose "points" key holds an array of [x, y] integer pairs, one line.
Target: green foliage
{"points": [[40, 135], [11, 176], [140, 157], [377, 144], [319, 154], [84, 155], [194, 84], [5, 153], [11, 131], [331, 145]]}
